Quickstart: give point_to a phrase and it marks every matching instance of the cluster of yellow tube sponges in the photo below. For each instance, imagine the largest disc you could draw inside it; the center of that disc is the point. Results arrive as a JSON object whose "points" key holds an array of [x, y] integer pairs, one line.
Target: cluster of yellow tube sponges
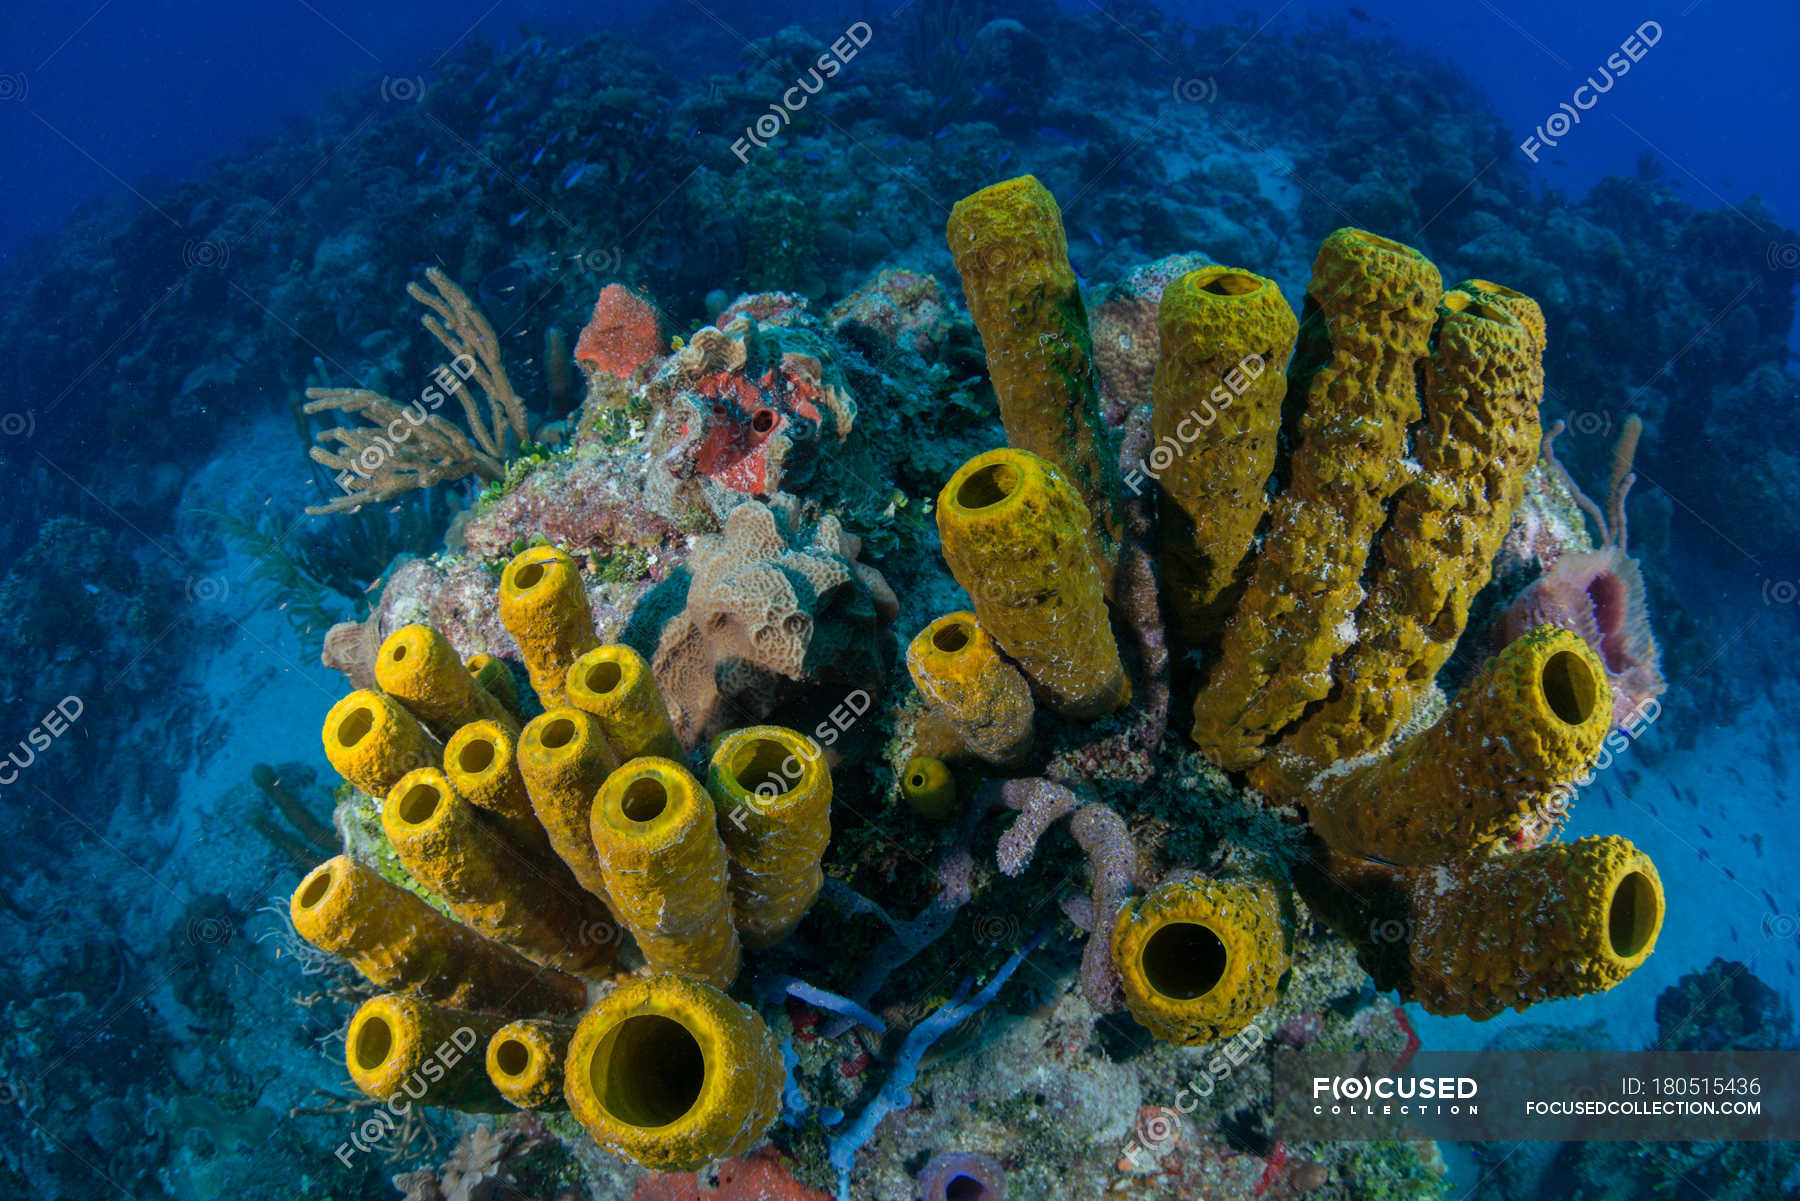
{"points": [[1322, 611], [540, 838]]}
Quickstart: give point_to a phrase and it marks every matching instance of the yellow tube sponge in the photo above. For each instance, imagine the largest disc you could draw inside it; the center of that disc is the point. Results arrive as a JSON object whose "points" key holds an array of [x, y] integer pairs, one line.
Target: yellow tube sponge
{"points": [[958, 668], [1013, 532], [544, 606], [672, 1074], [525, 1062], [1562, 920], [1224, 337], [1532, 720], [398, 1045], [418, 667], [666, 869], [481, 761], [1200, 959], [772, 790], [1367, 321], [1480, 436], [614, 683], [399, 942], [372, 741], [495, 676], [491, 886], [929, 788], [1013, 257], [564, 758], [1524, 309]]}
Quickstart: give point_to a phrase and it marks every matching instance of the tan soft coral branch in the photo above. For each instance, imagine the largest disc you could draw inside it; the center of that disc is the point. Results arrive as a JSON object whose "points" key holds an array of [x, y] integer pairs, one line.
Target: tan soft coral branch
{"points": [[403, 447]]}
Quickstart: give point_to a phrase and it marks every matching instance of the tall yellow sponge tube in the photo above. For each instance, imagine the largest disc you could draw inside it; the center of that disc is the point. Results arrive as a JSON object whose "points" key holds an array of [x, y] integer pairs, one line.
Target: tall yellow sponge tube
{"points": [[958, 667], [1200, 959], [666, 869], [1367, 322], [564, 758], [1013, 256], [372, 741], [1531, 721], [614, 683], [536, 909], [400, 1047], [544, 606], [417, 666], [672, 1073], [399, 942], [1013, 532], [481, 761], [1224, 337], [772, 790]]}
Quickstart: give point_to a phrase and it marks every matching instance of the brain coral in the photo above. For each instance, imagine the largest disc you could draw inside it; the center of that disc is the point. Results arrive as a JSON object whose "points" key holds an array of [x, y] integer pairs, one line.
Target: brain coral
{"points": [[773, 599]]}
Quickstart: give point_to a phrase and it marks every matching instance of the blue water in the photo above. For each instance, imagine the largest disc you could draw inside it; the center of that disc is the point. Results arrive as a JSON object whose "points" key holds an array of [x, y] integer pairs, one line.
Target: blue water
{"points": [[211, 207]]}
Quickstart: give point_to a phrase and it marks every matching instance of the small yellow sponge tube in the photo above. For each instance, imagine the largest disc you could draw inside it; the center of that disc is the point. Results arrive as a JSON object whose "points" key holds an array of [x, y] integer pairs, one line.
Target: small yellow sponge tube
{"points": [[1561, 920], [772, 790], [525, 1062], [544, 606], [1013, 257], [372, 741], [564, 758], [418, 667], [1014, 535], [671, 1074], [958, 668], [400, 1046], [399, 942], [1224, 337], [614, 683], [495, 676], [481, 761], [1532, 720], [536, 909], [1200, 959], [666, 869], [929, 788], [1367, 323]]}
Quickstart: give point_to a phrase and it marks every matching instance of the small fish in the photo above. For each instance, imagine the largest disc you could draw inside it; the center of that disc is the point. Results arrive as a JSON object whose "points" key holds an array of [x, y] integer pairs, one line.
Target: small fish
{"points": [[1729, 874], [1771, 900], [813, 156], [1360, 15], [420, 161], [539, 155], [942, 133], [988, 91], [1734, 936], [517, 217], [1004, 157], [492, 101], [1706, 832], [1095, 234], [574, 176], [891, 142], [639, 177]]}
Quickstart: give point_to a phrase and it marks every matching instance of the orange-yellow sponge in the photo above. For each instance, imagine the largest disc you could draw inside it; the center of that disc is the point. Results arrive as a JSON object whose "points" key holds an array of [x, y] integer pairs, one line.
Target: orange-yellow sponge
{"points": [[1483, 382], [1368, 315], [481, 761], [495, 676], [614, 683], [1013, 257], [654, 829], [772, 790], [525, 1062], [372, 741], [1562, 920], [1200, 959], [672, 1073], [535, 908], [418, 667], [958, 668], [1014, 535], [1531, 721], [1224, 337], [544, 606], [399, 1045], [399, 942], [564, 758]]}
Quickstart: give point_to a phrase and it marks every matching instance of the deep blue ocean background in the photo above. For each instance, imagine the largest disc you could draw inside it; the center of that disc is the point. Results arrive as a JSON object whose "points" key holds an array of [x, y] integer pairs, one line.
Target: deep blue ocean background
{"points": [[132, 134]]}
